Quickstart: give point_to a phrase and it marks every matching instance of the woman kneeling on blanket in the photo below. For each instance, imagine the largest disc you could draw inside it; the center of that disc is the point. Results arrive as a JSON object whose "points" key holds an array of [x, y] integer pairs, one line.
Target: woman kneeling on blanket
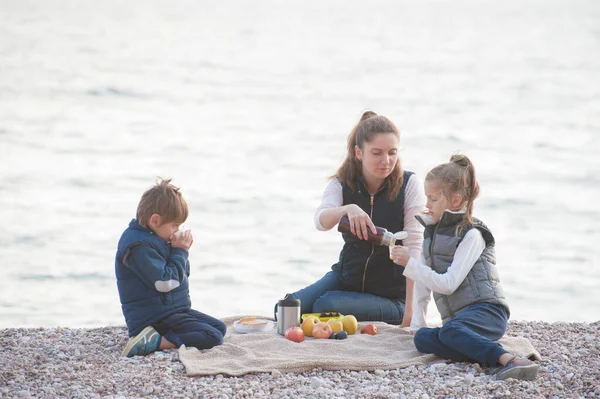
{"points": [[459, 266]]}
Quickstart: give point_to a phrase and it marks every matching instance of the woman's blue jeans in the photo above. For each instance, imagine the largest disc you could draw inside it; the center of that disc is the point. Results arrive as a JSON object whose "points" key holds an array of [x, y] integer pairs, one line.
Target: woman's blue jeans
{"points": [[329, 295]]}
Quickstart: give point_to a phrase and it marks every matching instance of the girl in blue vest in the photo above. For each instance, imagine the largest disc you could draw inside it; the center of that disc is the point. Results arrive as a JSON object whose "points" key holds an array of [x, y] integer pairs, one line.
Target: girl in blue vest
{"points": [[152, 270], [458, 264], [372, 189]]}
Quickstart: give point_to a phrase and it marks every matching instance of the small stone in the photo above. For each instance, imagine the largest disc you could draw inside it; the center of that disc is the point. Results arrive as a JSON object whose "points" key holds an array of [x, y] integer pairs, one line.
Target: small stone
{"points": [[276, 374], [469, 378], [316, 382], [380, 373]]}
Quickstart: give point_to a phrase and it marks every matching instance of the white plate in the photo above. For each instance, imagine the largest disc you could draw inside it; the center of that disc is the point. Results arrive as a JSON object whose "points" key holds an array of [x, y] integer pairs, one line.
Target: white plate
{"points": [[245, 329]]}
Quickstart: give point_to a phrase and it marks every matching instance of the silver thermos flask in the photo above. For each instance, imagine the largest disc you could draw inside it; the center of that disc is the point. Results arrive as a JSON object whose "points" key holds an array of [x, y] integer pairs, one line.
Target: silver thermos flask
{"points": [[288, 313]]}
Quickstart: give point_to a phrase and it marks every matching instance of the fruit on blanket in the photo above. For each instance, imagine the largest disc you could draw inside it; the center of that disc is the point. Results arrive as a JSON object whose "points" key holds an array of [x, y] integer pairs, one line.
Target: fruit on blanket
{"points": [[308, 325], [294, 334], [336, 325], [350, 324], [369, 329], [322, 330], [341, 335]]}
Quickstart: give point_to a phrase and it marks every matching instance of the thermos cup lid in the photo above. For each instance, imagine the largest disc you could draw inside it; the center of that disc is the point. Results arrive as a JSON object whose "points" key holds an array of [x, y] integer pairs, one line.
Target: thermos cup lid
{"points": [[289, 300]]}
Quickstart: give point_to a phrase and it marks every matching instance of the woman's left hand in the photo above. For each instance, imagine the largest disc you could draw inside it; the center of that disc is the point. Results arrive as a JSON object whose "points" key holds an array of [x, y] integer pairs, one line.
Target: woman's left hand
{"points": [[406, 320], [399, 255]]}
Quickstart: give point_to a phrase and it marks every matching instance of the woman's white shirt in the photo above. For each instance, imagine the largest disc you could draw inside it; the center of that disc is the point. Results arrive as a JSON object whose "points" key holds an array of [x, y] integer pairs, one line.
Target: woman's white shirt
{"points": [[414, 202]]}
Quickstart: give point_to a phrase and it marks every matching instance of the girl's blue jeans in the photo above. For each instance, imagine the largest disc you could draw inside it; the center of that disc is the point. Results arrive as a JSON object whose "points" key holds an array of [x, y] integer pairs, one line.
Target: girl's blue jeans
{"points": [[469, 336], [329, 295]]}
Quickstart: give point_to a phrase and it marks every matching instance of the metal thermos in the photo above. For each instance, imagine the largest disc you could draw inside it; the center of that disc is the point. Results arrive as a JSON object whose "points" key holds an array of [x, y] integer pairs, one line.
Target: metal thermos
{"points": [[288, 313]]}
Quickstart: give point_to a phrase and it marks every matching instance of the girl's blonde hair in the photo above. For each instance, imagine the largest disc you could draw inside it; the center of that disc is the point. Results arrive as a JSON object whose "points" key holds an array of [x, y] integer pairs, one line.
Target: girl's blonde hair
{"points": [[369, 125], [457, 177], [164, 199]]}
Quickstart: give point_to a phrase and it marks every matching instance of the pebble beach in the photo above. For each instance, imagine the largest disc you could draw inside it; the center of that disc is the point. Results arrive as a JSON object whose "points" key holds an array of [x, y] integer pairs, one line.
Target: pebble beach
{"points": [[86, 363]]}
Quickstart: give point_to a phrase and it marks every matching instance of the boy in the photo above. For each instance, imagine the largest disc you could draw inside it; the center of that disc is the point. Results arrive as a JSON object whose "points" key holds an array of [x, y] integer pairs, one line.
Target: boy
{"points": [[152, 270]]}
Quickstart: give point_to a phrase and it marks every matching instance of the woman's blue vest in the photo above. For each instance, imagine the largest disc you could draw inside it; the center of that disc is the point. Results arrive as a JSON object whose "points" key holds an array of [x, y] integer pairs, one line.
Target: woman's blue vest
{"points": [[366, 267]]}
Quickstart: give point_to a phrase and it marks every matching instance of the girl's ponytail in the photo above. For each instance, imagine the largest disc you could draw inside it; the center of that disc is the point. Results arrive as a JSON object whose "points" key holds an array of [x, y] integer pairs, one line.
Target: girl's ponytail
{"points": [[467, 185]]}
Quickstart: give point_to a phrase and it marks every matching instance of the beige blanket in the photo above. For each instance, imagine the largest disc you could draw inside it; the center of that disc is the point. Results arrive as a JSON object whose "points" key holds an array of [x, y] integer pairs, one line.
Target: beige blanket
{"points": [[265, 352]]}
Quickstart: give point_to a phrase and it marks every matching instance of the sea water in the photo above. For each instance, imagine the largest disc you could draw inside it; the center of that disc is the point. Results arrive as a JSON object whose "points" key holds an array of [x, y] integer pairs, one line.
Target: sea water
{"points": [[247, 106]]}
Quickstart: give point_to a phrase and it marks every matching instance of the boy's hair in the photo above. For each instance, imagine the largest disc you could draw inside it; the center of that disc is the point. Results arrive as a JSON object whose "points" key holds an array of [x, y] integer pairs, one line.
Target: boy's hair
{"points": [[457, 177], [165, 200], [369, 125]]}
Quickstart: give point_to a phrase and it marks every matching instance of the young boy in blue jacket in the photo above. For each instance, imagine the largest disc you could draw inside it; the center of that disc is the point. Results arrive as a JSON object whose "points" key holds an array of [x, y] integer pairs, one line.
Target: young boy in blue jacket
{"points": [[152, 270]]}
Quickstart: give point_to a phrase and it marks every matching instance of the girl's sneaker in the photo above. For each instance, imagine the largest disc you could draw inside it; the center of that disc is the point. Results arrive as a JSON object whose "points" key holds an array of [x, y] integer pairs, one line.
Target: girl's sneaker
{"points": [[144, 343], [519, 368]]}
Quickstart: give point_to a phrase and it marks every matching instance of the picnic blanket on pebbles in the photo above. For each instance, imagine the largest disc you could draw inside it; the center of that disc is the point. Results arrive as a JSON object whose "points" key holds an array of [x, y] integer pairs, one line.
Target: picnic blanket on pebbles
{"points": [[267, 351]]}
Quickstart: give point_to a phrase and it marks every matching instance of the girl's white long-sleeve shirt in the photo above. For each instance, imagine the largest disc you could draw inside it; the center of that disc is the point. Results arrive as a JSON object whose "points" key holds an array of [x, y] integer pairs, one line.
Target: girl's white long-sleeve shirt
{"points": [[426, 279], [414, 202]]}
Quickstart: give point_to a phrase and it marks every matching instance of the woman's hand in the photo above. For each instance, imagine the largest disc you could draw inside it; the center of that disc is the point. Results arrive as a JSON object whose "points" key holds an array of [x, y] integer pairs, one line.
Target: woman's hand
{"points": [[360, 222], [182, 240], [406, 320], [399, 255]]}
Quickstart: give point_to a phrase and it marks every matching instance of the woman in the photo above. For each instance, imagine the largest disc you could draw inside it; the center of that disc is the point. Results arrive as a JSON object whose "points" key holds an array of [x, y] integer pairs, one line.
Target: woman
{"points": [[371, 188]]}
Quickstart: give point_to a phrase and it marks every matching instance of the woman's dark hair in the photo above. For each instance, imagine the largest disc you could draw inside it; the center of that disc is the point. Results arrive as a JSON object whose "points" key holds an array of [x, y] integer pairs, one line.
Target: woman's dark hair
{"points": [[369, 125]]}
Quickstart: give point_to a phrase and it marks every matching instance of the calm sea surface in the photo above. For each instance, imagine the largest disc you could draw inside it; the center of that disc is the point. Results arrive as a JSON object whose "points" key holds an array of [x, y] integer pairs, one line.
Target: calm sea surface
{"points": [[247, 106]]}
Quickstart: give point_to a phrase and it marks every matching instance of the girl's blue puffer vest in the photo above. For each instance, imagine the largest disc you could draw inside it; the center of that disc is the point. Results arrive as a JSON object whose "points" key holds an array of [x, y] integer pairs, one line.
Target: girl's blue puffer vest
{"points": [[482, 284]]}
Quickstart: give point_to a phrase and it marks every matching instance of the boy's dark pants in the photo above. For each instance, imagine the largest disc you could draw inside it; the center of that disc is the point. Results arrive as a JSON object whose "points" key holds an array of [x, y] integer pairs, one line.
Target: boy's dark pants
{"points": [[192, 329], [469, 336]]}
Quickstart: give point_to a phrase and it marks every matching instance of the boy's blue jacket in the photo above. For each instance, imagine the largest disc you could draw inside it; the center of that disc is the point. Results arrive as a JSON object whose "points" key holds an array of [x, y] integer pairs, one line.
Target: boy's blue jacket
{"points": [[152, 278]]}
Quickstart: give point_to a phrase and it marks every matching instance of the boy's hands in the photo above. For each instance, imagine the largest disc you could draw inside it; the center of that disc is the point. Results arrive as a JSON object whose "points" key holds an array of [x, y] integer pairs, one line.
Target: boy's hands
{"points": [[399, 255], [182, 240]]}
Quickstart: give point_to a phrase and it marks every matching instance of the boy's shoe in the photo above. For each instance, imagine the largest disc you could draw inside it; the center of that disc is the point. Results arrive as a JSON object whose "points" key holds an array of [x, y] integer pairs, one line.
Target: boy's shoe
{"points": [[144, 343], [519, 368]]}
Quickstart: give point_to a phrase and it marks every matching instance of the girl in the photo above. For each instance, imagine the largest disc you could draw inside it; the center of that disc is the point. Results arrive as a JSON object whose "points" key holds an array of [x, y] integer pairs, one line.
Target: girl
{"points": [[371, 188], [459, 266]]}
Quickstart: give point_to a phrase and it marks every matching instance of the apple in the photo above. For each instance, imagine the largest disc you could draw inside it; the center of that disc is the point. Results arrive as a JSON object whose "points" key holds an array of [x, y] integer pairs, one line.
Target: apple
{"points": [[336, 325], [350, 324], [369, 329], [308, 325], [294, 334], [322, 330]]}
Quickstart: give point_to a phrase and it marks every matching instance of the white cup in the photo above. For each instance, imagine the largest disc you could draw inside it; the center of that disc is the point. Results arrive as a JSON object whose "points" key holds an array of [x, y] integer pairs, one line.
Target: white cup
{"points": [[181, 230]]}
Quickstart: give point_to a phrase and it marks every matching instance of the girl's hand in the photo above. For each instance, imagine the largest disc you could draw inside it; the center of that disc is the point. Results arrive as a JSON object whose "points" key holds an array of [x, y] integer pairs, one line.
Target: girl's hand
{"points": [[360, 222], [182, 240], [399, 255]]}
